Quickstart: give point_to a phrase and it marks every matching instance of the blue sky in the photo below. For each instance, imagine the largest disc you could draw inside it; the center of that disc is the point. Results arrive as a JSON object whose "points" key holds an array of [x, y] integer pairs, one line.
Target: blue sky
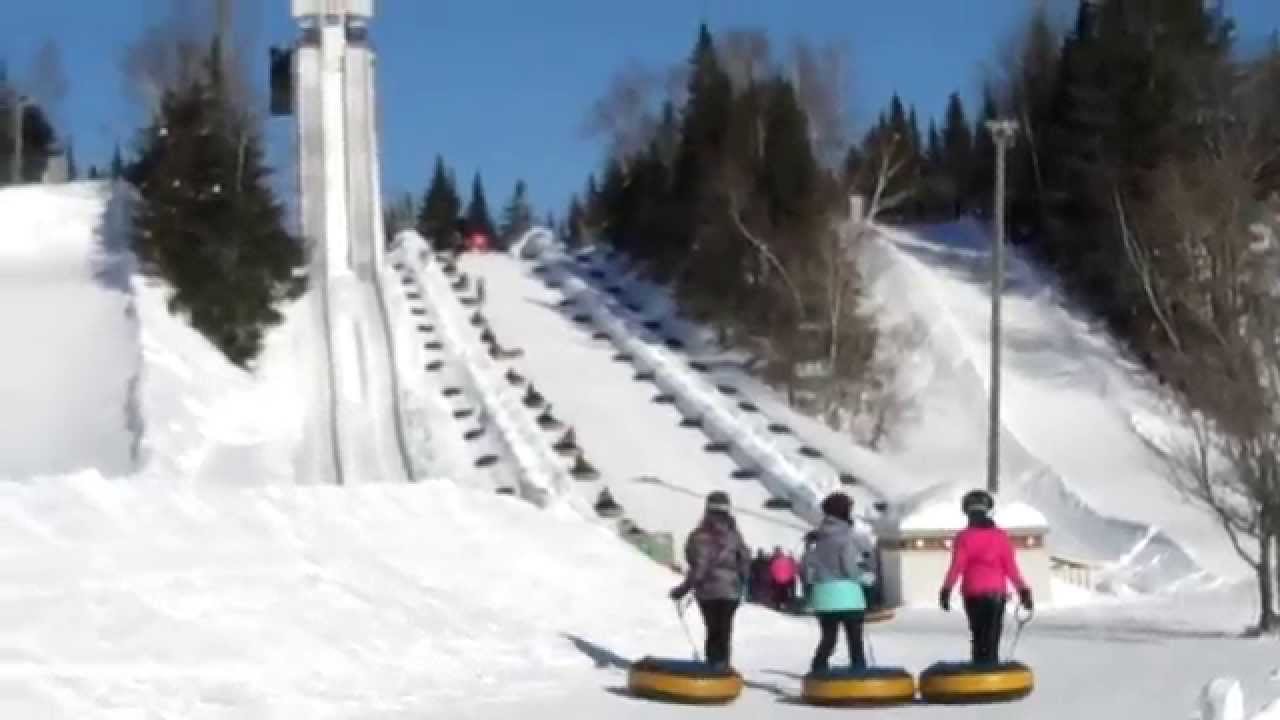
{"points": [[502, 86]]}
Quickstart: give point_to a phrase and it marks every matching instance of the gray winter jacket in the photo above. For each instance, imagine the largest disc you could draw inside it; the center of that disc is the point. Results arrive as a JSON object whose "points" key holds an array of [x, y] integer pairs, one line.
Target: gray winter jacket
{"points": [[839, 554], [719, 559]]}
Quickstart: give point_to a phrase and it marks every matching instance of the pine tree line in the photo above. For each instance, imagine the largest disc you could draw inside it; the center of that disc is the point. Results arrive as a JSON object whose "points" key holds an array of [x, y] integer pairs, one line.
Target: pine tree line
{"points": [[442, 220], [207, 221], [728, 202], [1099, 108], [38, 134]]}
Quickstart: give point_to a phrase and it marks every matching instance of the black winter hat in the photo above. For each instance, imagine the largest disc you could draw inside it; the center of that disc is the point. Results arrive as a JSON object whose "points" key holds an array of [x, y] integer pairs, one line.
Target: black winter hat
{"points": [[978, 502], [840, 506], [718, 501]]}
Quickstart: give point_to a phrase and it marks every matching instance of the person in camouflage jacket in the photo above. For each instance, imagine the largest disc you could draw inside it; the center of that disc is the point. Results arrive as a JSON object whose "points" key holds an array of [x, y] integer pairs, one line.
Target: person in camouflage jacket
{"points": [[719, 567]]}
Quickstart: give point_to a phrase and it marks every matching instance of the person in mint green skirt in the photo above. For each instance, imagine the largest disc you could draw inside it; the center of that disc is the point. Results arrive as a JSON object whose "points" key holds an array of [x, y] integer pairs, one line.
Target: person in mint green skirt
{"points": [[836, 568]]}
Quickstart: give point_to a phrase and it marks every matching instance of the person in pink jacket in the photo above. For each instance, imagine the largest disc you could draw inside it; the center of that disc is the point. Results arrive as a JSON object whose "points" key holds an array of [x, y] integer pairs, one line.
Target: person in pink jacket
{"points": [[983, 556]]}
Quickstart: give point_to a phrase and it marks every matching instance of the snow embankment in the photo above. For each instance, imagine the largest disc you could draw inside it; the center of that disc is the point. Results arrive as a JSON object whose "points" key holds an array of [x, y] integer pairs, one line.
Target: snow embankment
{"points": [[1069, 398], [803, 481], [541, 475], [99, 375], [71, 364], [433, 436]]}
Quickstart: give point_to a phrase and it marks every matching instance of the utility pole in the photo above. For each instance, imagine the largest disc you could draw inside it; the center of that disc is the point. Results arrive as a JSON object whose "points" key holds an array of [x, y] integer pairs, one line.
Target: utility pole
{"points": [[1003, 132]]}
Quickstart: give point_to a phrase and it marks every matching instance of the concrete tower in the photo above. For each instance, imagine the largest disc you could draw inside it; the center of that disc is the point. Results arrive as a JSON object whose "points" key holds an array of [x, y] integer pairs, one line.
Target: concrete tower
{"points": [[355, 429]]}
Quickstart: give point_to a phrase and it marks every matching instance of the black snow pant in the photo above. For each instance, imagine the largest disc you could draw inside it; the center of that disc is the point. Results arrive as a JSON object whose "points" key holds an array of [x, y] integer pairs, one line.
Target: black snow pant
{"points": [[986, 620], [830, 623], [717, 616]]}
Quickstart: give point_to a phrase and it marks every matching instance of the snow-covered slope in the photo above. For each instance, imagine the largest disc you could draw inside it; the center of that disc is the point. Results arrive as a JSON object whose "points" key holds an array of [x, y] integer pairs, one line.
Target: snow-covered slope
{"points": [[659, 471], [1071, 403], [1070, 398]]}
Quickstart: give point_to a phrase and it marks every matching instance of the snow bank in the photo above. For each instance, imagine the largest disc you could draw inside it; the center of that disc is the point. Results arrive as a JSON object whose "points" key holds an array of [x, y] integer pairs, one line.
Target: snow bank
{"points": [[543, 477], [939, 509], [206, 420], [533, 243], [103, 377], [71, 365]]}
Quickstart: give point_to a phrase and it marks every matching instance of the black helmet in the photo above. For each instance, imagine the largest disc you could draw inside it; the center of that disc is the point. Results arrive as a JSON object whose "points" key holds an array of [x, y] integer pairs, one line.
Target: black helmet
{"points": [[978, 502], [838, 505], [718, 501]]}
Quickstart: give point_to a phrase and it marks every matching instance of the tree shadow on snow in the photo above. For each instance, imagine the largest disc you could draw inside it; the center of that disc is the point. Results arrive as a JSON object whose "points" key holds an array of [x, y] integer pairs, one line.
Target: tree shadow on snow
{"points": [[602, 656], [112, 260]]}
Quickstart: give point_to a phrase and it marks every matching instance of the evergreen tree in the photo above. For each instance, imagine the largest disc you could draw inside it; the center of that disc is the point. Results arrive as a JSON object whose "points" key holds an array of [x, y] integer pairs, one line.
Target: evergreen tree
{"points": [[980, 183], [517, 215], [1032, 104], [704, 126], [611, 207], [937, 189], [73, 172], [207, 221], [574, 224], [438, 215], [934, 153], [478, 218], [593, 211], [913, 127], [957, 153], [117, 164], [1129, 95]]}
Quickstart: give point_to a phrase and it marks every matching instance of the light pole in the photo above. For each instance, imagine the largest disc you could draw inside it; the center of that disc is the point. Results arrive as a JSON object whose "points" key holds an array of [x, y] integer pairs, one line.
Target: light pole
{"points": [[1003, 132]]}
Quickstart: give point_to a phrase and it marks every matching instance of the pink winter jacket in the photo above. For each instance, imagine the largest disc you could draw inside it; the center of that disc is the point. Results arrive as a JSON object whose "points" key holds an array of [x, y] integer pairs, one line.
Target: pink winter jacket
{"points": [[984, 557]]}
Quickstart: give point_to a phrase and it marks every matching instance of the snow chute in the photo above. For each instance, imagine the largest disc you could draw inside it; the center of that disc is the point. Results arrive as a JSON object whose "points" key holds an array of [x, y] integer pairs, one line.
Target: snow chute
{"points": [[958, 683], [859, 687], [683, 681]]}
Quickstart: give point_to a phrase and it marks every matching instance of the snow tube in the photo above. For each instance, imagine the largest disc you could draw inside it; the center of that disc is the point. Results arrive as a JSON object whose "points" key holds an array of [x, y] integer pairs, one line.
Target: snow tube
{"points": [[956, 683], [683, 681], [865, 687]]}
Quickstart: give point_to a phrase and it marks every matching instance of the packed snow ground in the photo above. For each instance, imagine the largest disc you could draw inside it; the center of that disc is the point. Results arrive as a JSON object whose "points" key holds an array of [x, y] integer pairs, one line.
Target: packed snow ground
{"points": [[143, 598]]}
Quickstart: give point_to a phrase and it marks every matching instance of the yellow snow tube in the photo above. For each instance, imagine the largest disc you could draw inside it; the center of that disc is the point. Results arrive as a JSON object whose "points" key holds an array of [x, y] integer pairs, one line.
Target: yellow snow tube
{"points": [[683, 681], [955, 683], [862, 687]]}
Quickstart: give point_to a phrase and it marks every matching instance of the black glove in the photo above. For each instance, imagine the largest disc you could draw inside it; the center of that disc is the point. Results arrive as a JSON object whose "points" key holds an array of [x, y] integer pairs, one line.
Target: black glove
{"points": [[944, 599], [1024, 595]]}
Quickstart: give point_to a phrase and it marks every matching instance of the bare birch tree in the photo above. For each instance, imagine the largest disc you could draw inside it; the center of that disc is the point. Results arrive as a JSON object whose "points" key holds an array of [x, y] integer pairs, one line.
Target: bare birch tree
{"points": [[823, 82], [1209, 260]]}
